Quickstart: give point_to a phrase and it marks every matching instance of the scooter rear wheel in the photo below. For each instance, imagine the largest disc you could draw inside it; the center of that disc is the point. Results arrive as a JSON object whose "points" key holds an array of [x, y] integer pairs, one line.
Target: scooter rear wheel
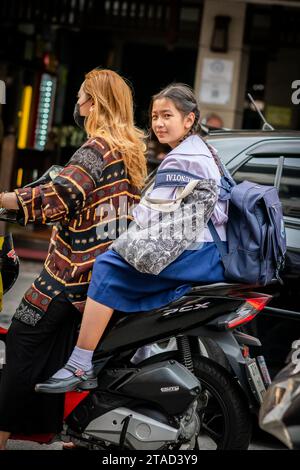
{"points": [[226, 419]]}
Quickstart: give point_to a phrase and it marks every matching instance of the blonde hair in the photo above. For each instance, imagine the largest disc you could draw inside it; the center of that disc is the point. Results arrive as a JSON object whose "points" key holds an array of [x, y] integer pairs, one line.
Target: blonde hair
{"points": [[112, 119]]}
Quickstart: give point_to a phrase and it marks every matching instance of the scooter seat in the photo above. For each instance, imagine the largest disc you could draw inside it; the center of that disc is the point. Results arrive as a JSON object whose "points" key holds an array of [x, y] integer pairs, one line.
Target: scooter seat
{"points": [[224, 287], [221, 287]]}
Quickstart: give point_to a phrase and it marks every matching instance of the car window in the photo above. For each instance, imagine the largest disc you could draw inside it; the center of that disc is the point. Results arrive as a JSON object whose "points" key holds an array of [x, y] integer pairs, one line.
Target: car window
{"points": [[260, 170], [290, 187], [230, 147]]}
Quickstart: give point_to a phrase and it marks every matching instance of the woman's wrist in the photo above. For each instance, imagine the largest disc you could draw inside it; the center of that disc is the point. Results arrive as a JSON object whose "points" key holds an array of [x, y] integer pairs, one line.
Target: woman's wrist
{"points": [[8, 201]]}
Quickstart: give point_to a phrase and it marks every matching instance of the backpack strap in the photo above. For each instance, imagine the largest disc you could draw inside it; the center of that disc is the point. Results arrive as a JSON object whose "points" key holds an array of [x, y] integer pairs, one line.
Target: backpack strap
{"points": [[217, 239], [228, 182], [216, 158], [222, 169]]}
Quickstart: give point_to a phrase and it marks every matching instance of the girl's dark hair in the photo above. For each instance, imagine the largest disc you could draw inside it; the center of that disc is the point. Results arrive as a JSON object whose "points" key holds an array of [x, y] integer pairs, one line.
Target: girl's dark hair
{"points": [[185, 101]]}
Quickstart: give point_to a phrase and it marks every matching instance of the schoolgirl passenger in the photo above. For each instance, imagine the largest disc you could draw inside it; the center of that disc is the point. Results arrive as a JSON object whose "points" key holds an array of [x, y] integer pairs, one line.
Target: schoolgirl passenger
{"points": [[115, 284]]}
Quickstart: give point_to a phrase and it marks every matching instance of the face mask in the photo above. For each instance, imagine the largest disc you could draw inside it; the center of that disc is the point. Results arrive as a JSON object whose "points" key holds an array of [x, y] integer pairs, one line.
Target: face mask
{"points": [[77, 116]]}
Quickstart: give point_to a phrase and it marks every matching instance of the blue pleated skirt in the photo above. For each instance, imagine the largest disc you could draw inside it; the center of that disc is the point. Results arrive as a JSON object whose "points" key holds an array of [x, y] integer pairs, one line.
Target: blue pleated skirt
{"points": [[116, 284]]}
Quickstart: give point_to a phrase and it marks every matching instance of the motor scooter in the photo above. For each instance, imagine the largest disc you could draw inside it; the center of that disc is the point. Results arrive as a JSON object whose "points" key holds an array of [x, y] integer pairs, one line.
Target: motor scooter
{"points": [[198, 395]]}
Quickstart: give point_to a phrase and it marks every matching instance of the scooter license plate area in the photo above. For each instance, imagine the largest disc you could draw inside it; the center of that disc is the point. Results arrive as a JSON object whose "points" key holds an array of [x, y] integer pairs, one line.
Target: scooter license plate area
{"points": [[2, 355], [255, 380]]}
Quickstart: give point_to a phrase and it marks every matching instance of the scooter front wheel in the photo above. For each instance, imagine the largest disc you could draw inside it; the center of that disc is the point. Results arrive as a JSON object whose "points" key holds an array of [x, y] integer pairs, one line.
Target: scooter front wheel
{"points": [[225, 418]]}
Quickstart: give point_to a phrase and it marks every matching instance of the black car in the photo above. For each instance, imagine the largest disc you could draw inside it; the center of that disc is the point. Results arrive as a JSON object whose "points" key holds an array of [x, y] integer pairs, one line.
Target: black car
{"points": [[272, 158]]}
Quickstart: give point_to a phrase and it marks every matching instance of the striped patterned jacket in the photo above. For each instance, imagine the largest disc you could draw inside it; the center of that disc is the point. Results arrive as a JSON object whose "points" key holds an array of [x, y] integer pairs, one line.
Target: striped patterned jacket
{"points": [[90, 203]]}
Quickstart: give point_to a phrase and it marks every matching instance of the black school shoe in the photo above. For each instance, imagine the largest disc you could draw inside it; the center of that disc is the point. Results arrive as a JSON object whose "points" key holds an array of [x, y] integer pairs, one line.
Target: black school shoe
{"points": [[79, 380]]}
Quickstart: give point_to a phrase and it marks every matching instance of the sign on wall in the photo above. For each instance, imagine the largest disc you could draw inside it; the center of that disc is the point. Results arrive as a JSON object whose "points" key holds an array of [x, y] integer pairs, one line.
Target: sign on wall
{"points": [[216, 81]]}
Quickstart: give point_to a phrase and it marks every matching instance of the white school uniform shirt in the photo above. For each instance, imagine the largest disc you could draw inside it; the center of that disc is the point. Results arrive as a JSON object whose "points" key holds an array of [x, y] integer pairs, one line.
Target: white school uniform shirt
{"points": [[193, 156]]}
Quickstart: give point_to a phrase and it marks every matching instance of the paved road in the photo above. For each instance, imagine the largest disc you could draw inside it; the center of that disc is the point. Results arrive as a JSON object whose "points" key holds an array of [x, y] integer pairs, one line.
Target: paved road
{"points": [[28, 271]]}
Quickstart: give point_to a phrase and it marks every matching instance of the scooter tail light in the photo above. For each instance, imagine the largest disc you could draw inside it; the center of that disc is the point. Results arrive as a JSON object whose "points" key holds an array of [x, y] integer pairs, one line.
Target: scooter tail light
{"points": [[240, 321], [259, 303], [248, 311]]}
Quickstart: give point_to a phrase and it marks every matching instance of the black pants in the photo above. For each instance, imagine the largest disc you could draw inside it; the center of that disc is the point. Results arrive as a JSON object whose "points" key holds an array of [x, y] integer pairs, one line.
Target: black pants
{"points": [[33, 354]]}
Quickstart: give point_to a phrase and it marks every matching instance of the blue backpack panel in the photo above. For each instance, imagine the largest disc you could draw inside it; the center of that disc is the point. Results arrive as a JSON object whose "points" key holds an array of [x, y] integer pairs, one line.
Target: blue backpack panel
{"points": [[255, 230]]}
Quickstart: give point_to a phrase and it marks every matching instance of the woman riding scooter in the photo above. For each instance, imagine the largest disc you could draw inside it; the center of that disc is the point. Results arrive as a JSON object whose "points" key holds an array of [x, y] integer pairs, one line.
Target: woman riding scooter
{"points": [[109, 165]]}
